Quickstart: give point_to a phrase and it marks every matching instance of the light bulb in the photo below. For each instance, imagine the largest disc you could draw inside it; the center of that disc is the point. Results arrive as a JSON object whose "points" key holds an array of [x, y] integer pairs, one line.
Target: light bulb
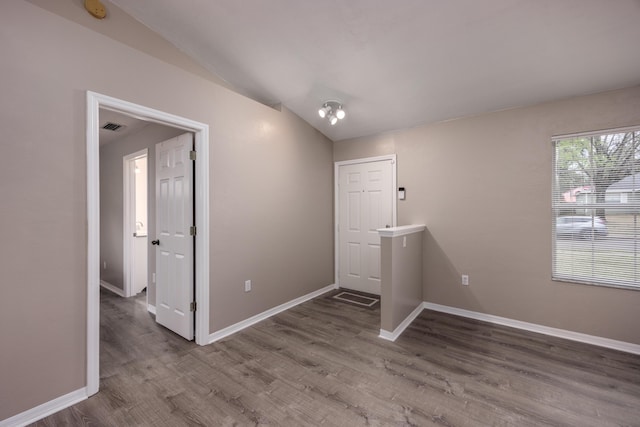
{"points": [[324, 110], [340, 113], [333, 120]]}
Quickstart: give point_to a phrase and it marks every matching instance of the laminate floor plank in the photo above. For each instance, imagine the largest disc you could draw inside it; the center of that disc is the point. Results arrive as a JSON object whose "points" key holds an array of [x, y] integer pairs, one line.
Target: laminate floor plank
{"points": [[322, 364]]}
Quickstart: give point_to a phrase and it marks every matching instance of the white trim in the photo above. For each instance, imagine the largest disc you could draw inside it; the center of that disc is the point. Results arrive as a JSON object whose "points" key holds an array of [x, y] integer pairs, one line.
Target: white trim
{"points": [[128, 201], [366, 160], [108, 286], [229, 330], [51, 407], [336, 199], [392, 336], [93, 243], [596, 132], [401, 231], [533, 327], [151, 308], [95, 101], [202, 237]]}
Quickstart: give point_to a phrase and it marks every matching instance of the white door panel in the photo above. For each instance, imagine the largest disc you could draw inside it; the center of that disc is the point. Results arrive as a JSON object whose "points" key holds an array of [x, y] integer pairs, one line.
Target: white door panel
{"points": [[174, 253], [365, 198]]}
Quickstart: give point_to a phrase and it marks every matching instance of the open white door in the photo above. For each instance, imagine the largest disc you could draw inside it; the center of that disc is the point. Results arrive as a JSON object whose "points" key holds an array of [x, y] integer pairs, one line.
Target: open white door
{"points": [[365, 203], [175, 244]]}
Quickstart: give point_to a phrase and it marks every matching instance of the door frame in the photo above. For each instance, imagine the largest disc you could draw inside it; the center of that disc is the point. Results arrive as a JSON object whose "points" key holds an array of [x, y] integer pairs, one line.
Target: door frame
{"points": [[96, 101], [128, 211], [336, 195]]}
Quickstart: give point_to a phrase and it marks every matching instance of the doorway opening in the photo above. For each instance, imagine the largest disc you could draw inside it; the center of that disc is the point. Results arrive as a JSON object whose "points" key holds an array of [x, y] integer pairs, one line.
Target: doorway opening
{"points": [[96, 102], [135, 222]]}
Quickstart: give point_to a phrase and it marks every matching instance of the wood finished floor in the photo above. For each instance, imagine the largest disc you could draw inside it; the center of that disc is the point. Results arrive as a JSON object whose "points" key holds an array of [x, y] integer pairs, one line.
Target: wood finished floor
{"points": [[322, 363]]}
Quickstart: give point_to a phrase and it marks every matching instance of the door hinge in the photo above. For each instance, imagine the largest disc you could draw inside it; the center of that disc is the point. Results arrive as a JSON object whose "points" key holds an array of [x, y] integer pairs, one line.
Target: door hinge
{"points": [[192, 155], [192, 230], [193, 306]]}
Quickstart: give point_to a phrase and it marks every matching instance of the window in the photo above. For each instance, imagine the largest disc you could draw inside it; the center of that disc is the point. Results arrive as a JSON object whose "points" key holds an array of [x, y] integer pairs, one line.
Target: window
{"points": [[596, 208]]}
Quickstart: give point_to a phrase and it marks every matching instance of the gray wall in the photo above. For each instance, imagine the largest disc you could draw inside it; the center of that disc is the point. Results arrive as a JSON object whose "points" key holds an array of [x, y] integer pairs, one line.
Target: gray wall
{"points": [[270, 200], [125, 29], [401, 278], [111, 200], [482, 186]]}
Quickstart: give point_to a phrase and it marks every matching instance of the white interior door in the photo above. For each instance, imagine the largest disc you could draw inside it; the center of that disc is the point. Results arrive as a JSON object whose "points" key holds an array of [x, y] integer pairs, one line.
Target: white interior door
{"points": [[365, 203], [173, 240]]}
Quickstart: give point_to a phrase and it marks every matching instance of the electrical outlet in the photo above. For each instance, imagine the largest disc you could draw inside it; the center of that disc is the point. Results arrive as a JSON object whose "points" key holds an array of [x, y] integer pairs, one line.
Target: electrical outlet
{"points": [[465, 280], [404, 241], [247, 285], [153, 277], [105, 265]]}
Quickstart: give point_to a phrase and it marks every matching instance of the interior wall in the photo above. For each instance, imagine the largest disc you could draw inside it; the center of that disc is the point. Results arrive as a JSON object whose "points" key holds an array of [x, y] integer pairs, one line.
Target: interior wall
{"points": [[401, 278], [141, 195], [271, 193], [482, 186], [112, 200], [141, 243], [125, 29]]}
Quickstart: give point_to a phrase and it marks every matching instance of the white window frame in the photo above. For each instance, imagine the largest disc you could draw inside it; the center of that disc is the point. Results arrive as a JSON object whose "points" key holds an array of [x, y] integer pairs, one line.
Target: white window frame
{"points": [[555, 205]]}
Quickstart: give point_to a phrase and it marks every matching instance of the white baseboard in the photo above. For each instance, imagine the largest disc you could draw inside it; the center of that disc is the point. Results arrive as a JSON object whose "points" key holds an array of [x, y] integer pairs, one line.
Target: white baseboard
{"points": [[39, 412], [151, 308], [222, 333], [392, 336], [112, 288], [533, 327]]}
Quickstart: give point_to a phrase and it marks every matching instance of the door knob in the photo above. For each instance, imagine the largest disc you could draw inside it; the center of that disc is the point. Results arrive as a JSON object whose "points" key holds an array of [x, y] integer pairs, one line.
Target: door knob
{"points": [[155, 242]]}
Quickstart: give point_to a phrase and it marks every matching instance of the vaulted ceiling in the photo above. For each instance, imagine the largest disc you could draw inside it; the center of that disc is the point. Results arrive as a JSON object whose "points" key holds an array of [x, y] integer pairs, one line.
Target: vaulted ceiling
{"points": [[400, 63]]}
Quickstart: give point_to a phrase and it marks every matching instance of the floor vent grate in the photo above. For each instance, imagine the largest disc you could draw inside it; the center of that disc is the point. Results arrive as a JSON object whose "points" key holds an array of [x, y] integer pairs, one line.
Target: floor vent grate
{"points": [[357, 299]]}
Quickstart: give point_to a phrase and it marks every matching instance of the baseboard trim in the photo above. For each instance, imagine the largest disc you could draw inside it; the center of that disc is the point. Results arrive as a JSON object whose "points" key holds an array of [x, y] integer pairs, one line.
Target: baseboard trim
{"points": [[533, 327], [151, 308], [39, 412], [108, 286], [392, 336], [229, 330]]}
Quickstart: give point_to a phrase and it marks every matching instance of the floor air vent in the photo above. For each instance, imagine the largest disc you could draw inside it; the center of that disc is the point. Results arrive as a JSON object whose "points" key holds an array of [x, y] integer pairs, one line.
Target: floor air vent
{"points": [[352, 298]]}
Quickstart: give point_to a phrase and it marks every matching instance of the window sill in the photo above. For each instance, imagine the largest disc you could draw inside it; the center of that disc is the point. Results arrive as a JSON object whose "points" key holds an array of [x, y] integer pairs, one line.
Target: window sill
{"points": [[599, 285]]}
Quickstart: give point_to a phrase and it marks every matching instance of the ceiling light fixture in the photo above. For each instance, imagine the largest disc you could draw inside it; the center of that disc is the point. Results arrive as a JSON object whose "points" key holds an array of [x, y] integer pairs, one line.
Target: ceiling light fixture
{"points": [[333, 111], [324, 110]]}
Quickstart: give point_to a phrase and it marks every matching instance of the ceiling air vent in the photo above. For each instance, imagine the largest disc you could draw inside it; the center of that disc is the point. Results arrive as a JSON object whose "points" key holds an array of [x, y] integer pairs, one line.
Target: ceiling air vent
{"points": [[112, 126]]}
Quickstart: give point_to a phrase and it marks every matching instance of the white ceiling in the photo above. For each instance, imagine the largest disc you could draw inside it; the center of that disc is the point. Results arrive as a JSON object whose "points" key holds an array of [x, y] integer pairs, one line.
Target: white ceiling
{"points": [[399, 63]]}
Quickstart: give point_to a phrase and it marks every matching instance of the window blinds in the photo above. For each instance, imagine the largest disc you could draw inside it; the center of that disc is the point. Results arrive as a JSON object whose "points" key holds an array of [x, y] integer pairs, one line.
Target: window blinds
{"points": [[596, 208]]}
